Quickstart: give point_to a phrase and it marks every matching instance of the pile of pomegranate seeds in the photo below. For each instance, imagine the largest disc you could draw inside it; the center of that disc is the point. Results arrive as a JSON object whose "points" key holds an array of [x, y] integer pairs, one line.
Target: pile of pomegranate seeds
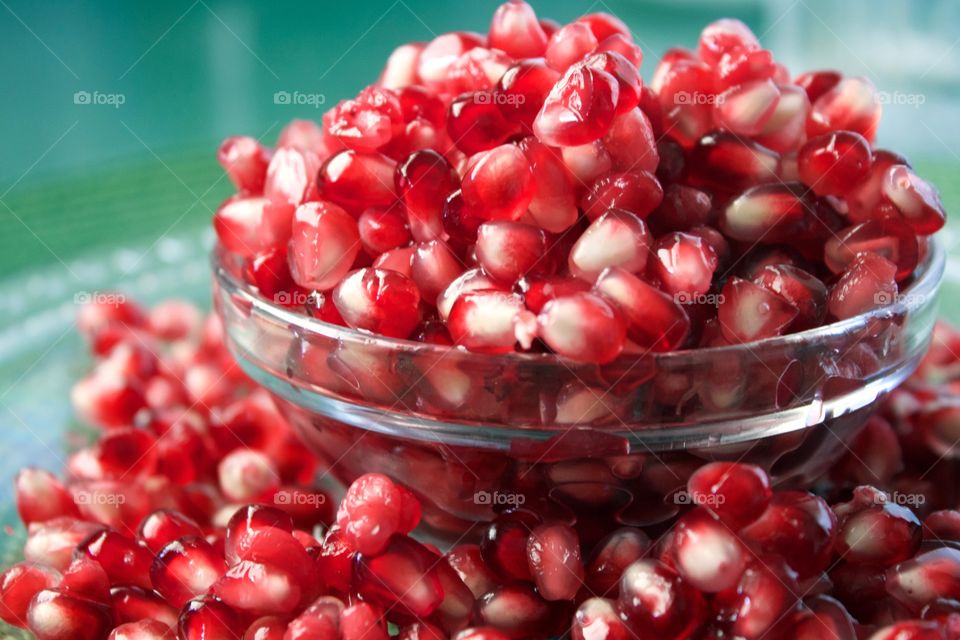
{"points": [[532, 176], [193, 517]]}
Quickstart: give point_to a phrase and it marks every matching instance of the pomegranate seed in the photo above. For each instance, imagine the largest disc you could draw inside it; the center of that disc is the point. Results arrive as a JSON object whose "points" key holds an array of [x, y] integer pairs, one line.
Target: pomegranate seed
{"points": [[588, 162], [456, 609], [504, 544], [18, 585], [40, 497], [797, 526], [251, 225], [800, 289], [258, 588], [320, 621], [655, 601], [124, 560], [761, 599], [722, 36], [787, 127], [291, 177], [750, 312], [470, 280], [245, 161], [579, 109], [767, 213], [324, 244], [304, 135], [499, 183], [361, 622], [747, 108], [475, 123], [706, 553], [437, 57], [522, 90], [850, 105], [736, 493], [825, 615], [132, 604], [186, 568], [400, 71], [484, 320], [917, 200], [507, 251], [399, 260], [817, 83], [570, 44], [831, 164], [142, 630], [875, 532], [357, 181], [424, 181], [742, 65], [515, 31], [638, 192], [247, 475], [631, 142], [685, 264], [335, 560], [126, 452], [421, 631], [481, 633], [86, 578], [554, 203], [477, 70], [598, 619], [655, 321], [52, 542], [381, 230], [866, 200], [467, 561], [373, 510], [620, 43], [163, 527], [539, 290], [365, 123], [382, 301], [912, 630], [627, 76], [682, 208], [615, 239], [403, 576], [553, 556], [433, 267], [53, 615], [603, 25], [566, 323], [867, 284], [516, 610], [727, 163], [889, 238], [209, 619], [612, 556]]}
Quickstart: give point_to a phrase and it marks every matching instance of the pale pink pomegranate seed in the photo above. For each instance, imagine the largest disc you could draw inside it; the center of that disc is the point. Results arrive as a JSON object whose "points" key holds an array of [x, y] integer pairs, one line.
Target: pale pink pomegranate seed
{"points": [[291, 176], [381, 230], [851, 105], [655, 320], [356, 180], [53, 615], [441, 52], [433, 268], [52, 542], [583, 327], [804, 291], [638, 192], [736, 493], [246, 475], [373, 510], [746, 109], [258, 588], [142, 630], [786, 129], [587, 162], [797, 526], [554, 204], [707, 553], [245, 160], [477, 70], [570, 44], [484, 320], [18, 585], [305, 135], [209, 619], [868, 283], [833, 163], [553, 555], [324, 243], [249, 225], [469, 280], [399, 260], [424, 181], [685, 264], [516, 609], [515, 30], [400, 70], [926, 577], [404, 576], [612, 556], [917, 200], [522, 90], [654, 600], [631, 142], [499, 183], [749, 312], [40, 496], [383, 301], [124, 559], [579, 109], [186, 568], [721, 36], [507, 250], [599, 619], [616, 239]]}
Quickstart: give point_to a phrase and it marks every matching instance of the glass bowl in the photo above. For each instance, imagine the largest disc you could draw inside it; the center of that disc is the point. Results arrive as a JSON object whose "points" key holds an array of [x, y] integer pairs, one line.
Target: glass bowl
{"points": [[473, 434]]}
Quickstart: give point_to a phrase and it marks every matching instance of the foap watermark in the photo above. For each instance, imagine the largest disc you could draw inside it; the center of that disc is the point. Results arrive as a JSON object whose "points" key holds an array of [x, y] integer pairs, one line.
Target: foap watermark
{"points": [[299, 99], [884, 298], [711, 299], [497, 98], [298, 298], [98, 98], [286, 498], [915, 100], [898, 498], [697, 97], [98, 498], [112, 299], [499, 498], [698, 499]]}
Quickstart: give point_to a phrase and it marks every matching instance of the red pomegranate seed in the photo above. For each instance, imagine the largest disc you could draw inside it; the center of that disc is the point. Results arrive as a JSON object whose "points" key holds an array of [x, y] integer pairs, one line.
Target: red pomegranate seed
{"points": [[742, 65], [126, 453], [598, 619], [475, 123], [943, 524], [362, 622], [615, 239], [365, 123], [850, 105], [554, 203], [767, 213], [824, 615], [441, 52], [655, 321], [52, 542], [797, 526], [305, 135], [53, 615], [324, 244], [291, 177], [522, 90], [356, 180], [124, 560], [682, 208], [477, 70], [802, 290], [833, 163], [746, 109], [252, 225], [209, 619], [736, 493], [706, 553], [612, 556], [403, 576], [817, 83], [583, 327], [787, 127], [470, 280], [245, 161], [579, 109], [507, 251], [911, 630], [381, 230], [258, 588], [163, 527], [40, 497], [399, 260], [722, 36], [456, 609], [481, 633], [484, 320], [86, 578], [570, 44], [516, 610], [626, 75], [504, 544], [759, 601], [515, 30], [727, 163], [631, 142], [603, 25], [433, 267], [467, 561], [335, 560], [18, 585], [424, 181], [866, 200], [142, 630], [383, 301], [685, 264], [874, 531], [320, 621], [638, 192], [587, 162], [421, 631], [620, 43], [655, 601], [867, 284], [539, 290], [888, 238], [132, 604], [749, 312], [924, 578], [373, 510], [246, 475], [186, 568], [499, 183], [553, 556], [917, 200]]}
